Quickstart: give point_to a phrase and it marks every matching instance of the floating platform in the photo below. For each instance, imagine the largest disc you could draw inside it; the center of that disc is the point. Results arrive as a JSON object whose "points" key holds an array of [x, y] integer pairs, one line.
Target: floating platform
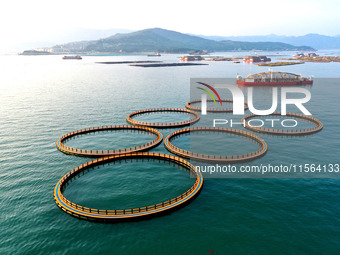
{"points": [[193, 120], [92, 214], [273, 79], [99, 153], [280, 63], [225, 159], [127, 62], [169, 64], [290, 132]]}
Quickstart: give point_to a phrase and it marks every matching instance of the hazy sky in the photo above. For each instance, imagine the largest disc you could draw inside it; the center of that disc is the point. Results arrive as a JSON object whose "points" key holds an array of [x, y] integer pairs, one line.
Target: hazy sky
{"points": [[41, 20]]}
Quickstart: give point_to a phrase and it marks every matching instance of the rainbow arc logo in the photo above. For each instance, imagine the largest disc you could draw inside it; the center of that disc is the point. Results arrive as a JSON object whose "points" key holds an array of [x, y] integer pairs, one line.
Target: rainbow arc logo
{"points": [[204, 97], [209, 93]]}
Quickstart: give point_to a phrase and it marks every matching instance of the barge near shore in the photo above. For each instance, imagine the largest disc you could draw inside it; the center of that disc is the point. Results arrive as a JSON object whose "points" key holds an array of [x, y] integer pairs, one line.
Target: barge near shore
{"points": [[282, 63], [256, 59], [273, 79], [168, 64], [73, 57]]}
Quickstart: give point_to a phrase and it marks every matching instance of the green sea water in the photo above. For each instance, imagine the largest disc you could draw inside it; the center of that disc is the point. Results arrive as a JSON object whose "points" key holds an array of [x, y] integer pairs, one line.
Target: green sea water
{"points": [[44, 97]]}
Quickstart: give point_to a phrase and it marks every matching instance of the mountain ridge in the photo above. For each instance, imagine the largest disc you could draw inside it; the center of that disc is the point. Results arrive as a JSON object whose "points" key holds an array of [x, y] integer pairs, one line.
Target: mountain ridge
{"points": [[313, 40], [162, 40]]}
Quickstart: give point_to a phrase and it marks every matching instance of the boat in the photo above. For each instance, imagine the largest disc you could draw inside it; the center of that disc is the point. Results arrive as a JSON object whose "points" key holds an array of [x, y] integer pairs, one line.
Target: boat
{"points": [[236, 62], [255, 59], [308, 55], [191, 58], [72, 57], [273, 79], [154, 55]]}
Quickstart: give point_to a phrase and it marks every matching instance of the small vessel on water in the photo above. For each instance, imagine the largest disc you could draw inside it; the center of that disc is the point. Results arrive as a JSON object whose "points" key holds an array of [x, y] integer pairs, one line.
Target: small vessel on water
{"points": [[273, 79], [255, 59], [72, 57], [191, 58], [154, 55]]}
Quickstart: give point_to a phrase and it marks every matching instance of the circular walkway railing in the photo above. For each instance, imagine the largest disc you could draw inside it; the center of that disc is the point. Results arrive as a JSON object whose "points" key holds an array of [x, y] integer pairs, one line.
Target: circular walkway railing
{"points": [[305, 131], [86, 213], [99, 153], [217, 158], [195, 118]]}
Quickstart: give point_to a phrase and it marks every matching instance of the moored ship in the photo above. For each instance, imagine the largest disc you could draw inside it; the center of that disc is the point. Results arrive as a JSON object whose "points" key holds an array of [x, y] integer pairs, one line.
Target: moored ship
{"points": [[255, 59], [273, 79], [72, 57], [191, 58], [153, 55]]}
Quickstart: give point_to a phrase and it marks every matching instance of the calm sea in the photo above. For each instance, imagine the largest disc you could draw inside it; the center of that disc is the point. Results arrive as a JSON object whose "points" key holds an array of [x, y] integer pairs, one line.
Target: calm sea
{"points": [[45, 97]]}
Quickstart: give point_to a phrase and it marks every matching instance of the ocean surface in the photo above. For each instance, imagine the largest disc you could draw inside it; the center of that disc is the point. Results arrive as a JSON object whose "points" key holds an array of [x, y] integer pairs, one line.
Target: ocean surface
{"points": [[45, 97]]}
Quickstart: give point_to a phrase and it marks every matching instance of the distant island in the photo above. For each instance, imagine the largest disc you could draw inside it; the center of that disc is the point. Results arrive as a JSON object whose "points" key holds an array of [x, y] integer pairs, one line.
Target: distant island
{"points": [[280, 63], [35, 52], [167, 41]]}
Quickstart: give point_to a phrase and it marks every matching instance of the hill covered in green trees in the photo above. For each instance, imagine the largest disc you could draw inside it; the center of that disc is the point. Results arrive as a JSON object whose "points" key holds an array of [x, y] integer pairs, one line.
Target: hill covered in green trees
{"points": [[161, 40]]}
